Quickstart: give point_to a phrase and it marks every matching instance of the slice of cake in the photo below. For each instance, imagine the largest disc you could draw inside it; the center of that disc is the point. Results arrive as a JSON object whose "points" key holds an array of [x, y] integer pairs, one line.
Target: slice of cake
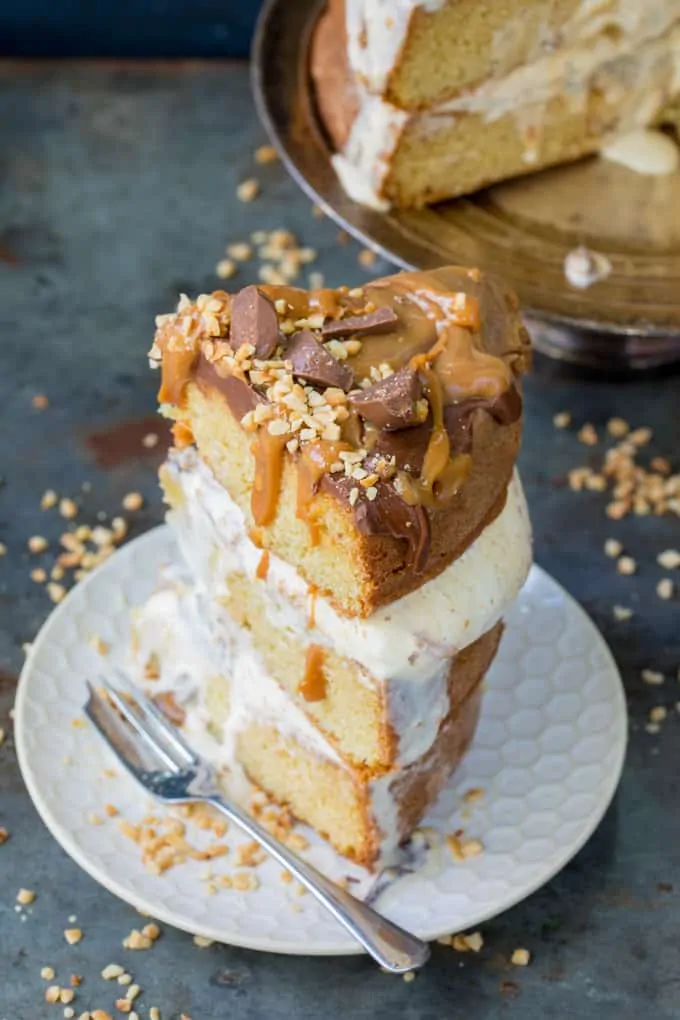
{"points": [[426, 101], [344, 498]]}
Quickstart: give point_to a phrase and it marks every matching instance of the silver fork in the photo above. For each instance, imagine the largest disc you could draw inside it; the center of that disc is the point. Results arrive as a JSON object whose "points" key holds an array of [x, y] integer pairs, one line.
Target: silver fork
{"points": [[155, 753]]}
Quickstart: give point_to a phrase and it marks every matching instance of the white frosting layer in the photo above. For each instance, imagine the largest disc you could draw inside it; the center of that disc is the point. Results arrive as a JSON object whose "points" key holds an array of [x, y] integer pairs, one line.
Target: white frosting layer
{"points": [[583, 267], [641, 68], [194, 642], [406, 646], [644, 151]]}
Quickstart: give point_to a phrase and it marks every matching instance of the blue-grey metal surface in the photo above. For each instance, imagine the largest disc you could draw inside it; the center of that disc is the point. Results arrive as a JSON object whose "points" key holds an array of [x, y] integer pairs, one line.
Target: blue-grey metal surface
{"points": [[117, 192]]}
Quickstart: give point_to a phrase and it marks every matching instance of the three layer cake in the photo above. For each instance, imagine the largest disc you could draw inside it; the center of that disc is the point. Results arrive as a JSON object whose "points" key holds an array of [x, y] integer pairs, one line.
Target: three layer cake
{"points": [[344, 496]]}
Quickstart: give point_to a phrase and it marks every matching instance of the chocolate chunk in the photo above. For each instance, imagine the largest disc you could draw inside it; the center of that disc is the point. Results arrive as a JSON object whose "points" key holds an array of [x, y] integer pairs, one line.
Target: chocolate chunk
{"points": [[390, 515], [254, 321], [382, 320], [392, 403], [239, 395], [311, 361]]}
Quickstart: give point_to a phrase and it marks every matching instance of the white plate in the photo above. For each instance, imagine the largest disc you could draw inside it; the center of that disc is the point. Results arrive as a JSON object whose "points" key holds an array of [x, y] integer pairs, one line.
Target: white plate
{"points": [[548, 753]]}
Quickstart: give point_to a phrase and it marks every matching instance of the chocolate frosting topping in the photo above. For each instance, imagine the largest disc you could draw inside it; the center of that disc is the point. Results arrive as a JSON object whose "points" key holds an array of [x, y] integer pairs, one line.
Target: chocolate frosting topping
{"points": [[254, 321], [444, 348], [382, 320], [392, 403], [311, 361]]}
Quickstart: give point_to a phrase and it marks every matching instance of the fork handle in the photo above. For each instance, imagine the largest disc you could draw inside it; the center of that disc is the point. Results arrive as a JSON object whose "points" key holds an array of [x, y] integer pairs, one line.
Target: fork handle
{"points": [[393, 948]]}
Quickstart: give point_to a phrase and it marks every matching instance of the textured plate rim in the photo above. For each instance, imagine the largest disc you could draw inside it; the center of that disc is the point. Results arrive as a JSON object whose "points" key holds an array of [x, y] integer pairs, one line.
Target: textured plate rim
{"points": [[295, 948]]}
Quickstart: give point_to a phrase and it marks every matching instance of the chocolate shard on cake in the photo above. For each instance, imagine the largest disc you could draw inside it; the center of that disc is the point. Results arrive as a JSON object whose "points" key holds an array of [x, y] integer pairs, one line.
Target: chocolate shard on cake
{"points": [[344, 494]]}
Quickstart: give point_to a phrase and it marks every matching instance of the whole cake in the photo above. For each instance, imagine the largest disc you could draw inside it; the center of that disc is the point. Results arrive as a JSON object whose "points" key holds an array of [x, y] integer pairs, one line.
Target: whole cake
{"points": [[344, 495], [429, 100]]}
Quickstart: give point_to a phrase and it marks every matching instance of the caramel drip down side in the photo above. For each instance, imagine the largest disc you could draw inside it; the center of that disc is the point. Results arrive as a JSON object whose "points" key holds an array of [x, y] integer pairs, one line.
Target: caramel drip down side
{"points": [[315, 461], [263, 566], [268, 454], [176, 369], [313, 684]]}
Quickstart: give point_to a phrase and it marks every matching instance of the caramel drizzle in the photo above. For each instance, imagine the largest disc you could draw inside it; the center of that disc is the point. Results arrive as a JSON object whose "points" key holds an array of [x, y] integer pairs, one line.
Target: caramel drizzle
{"points": [[313, 593], [268, 453], [176, 369], [313, 684], [182, 435], [438, 465], [315, 461], [263, 566]]}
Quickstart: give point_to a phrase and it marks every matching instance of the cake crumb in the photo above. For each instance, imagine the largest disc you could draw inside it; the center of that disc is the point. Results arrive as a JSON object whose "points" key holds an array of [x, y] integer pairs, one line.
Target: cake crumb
{"points": [[652, 677], [626, 565], [47, 973], [367, 258], [658, 714], [562, 420], [37, 544], [266, 154], [68, 508], [640, 437], [38, 575], [40, 401], [202, 942], [132, 501], [248, 190], [468, 943], [587, 435], [520, 958], [473, 795], [150, 440], [52, 994], [622, 613], [136, 940], [669, 559], [409, 976], [73, 936], [112, 971], [226, 268], [665, 588], [613, 548], [3, 549], [25, 896], [241, 251], [618, 428], [463, 849], [48, 500], [66, 995]]}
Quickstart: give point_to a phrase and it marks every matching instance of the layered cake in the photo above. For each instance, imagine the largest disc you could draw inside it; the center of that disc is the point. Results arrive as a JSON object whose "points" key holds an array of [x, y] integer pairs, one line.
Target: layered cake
{"points": [[344, 495], [428, 100]]}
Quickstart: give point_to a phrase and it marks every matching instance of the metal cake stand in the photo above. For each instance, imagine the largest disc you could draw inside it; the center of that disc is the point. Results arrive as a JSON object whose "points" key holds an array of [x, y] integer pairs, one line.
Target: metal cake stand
{"points": [[522, 230]]}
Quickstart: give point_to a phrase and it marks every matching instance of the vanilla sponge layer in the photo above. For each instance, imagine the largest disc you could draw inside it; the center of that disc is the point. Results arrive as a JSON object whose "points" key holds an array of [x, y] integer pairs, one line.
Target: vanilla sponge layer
{"points": [[392, 678]]}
